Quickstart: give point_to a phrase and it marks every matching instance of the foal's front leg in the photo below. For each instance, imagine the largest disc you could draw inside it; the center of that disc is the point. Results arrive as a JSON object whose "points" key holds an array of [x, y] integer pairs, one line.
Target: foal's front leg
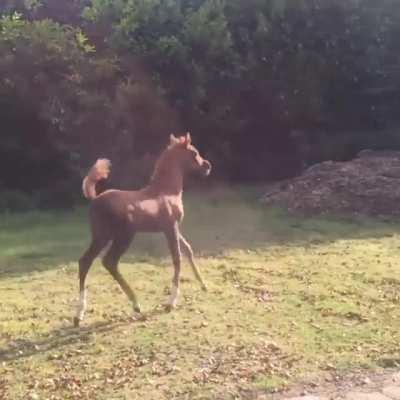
{"points": [[187, 250], [173, 238]]}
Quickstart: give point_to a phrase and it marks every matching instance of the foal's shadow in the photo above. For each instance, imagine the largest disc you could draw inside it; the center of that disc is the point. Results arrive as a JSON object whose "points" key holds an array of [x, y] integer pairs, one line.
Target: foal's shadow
{"points": [[69, 335]]}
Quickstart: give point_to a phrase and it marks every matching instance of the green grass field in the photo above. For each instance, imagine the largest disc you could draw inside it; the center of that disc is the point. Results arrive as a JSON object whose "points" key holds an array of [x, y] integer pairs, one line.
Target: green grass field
{"points": [[289, 299]]}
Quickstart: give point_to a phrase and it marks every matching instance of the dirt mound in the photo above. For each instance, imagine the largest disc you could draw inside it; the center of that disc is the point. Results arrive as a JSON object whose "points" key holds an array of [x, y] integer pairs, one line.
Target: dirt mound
{"points": [[367, 185]]}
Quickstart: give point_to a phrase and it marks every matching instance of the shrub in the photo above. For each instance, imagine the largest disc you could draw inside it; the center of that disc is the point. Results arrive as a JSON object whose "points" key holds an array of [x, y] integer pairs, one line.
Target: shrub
{"points": [[16, 201]]}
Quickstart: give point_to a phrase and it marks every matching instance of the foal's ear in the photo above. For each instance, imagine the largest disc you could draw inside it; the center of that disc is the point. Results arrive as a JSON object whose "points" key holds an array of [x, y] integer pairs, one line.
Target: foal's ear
{"points": [[173, 139], [186, 140]]}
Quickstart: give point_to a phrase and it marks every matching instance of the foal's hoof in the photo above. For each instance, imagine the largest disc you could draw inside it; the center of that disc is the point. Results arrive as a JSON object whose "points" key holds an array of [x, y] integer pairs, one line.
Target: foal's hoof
{"points": [[137, 316], [76, 322], [169, 307], [204, 288]]}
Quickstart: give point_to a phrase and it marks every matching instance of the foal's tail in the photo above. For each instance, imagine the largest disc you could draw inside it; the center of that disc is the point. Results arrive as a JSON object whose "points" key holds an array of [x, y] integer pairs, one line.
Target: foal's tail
{"points": [[99, 171]]}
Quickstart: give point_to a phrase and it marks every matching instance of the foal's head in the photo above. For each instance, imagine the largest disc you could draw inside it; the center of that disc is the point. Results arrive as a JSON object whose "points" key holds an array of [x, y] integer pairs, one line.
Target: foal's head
{"points": [[187, 155]]}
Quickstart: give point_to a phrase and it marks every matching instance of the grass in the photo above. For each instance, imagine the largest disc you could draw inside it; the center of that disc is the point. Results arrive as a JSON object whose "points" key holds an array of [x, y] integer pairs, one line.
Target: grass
{"points": [[289, 299]]}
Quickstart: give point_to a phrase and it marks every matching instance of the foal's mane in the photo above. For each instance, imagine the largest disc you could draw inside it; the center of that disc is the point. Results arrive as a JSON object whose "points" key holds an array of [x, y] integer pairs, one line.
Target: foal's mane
{"points": [[163, 164], [163, 161]]}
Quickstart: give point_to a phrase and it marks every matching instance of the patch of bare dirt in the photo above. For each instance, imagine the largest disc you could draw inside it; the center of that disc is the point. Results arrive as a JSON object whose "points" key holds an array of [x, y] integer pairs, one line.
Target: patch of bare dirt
{"points": [[336, 386]]}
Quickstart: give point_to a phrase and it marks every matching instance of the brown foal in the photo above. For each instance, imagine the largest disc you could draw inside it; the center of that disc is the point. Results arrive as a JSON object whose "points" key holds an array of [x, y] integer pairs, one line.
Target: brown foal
{"points": [[116, 216]]}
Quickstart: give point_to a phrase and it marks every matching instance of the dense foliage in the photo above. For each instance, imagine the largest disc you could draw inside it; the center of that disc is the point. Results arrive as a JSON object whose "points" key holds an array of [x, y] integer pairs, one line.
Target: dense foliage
{"points": [[265, 86]]}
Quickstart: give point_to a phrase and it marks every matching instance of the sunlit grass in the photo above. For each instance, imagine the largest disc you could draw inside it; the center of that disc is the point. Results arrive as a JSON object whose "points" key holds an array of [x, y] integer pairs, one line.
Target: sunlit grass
{"points": [[289, 297]]}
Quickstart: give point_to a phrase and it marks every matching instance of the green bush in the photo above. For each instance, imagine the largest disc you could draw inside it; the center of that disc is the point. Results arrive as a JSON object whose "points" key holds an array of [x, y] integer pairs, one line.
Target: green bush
{"points": [[113, 78], [16, 201]]}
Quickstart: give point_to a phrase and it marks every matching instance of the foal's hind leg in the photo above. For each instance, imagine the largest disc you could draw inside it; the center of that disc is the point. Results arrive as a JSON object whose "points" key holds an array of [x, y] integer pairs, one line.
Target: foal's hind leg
{"points": [[110, 262], [85, 263], [187, 250]]}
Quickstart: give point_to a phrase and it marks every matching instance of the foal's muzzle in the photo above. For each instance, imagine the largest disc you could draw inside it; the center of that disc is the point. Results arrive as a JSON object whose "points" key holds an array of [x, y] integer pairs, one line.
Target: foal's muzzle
{"points": [[206, 168]]}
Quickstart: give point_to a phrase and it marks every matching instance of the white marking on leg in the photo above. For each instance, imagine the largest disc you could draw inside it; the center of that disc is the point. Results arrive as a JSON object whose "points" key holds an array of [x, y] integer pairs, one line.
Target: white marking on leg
{"points": [[173, 299], [81, 306], [136, 305]]}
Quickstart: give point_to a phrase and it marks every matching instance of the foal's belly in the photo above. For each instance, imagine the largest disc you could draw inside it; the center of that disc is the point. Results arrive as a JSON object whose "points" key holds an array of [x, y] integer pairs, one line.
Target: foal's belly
{"points": [[117, 209], [152, 215]]}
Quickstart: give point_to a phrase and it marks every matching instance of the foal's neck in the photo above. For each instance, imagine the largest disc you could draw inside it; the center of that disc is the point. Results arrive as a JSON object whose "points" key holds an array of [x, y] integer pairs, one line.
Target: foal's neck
{"points": [[167, 178]]}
